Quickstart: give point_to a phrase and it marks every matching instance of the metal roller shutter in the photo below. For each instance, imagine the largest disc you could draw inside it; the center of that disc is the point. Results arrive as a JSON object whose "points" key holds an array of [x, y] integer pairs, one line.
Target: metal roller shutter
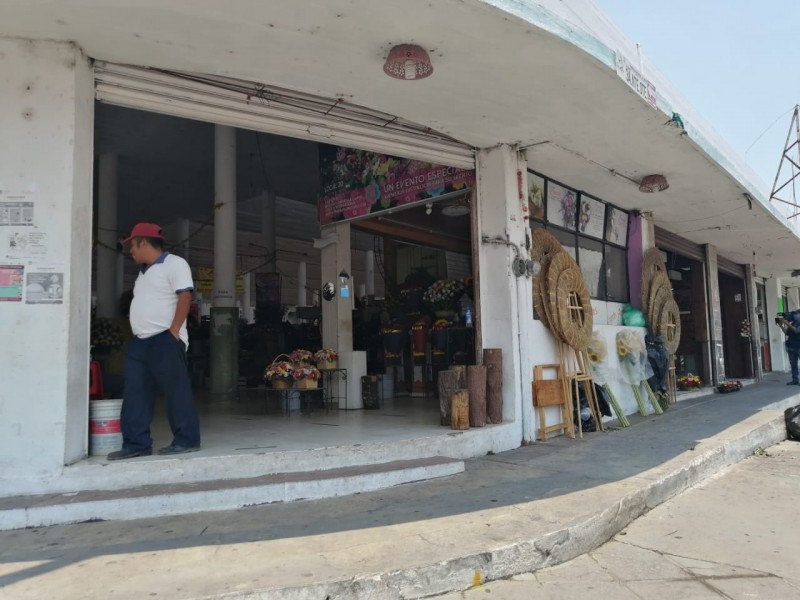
{"points": [[666, 240], [257, 107]]}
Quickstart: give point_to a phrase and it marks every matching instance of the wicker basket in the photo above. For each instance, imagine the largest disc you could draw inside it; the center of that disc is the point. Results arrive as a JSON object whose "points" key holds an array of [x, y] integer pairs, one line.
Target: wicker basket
{"points": [[326, 365], [281, 383], [307, 384]]}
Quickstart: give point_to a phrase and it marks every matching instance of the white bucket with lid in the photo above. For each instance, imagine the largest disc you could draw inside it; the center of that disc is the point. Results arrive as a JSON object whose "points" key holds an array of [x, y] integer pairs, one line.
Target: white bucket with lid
{"points": [[105, 433]]}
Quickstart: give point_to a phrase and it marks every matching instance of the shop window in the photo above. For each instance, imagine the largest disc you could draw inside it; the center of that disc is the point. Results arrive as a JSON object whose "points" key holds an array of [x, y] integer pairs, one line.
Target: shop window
{"points": [[616, 272], [593, 232], [590, 255]]}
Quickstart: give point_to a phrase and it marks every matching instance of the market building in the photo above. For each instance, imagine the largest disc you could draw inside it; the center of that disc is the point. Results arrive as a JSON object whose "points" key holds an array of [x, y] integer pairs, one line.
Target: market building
{"points": [[318, 196]]}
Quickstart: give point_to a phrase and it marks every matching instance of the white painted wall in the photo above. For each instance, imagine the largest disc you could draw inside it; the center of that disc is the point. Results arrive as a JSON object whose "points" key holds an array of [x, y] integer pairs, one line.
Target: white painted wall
{"points": [[780, 361], [46, 154]]}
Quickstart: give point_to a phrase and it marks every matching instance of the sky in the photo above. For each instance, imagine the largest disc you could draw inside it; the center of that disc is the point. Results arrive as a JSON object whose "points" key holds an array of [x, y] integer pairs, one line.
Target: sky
{"points": [[735, 61]]}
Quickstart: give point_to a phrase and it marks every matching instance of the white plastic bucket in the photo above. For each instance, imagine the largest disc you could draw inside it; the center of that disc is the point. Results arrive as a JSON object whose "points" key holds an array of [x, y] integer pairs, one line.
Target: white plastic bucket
{"points": [[386, 385], [105, 434]]}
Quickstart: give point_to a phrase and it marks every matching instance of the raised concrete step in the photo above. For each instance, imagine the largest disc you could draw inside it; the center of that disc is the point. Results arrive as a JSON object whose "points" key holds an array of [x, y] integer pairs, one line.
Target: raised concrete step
{"points": [[17, 512]]}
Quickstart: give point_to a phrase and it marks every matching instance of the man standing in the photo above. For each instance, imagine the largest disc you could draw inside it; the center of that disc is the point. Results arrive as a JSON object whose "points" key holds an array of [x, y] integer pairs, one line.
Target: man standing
{"points": [[156, 357], [790, 325]]}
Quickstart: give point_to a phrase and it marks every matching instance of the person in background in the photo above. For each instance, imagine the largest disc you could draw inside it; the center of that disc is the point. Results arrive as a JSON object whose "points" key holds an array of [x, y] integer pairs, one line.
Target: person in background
{"points": [[790, 325], [156, 356]]}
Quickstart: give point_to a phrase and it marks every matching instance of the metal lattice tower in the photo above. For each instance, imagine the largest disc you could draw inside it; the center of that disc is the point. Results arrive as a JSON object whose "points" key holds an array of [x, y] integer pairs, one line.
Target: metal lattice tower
{"points": [[791, 162]]}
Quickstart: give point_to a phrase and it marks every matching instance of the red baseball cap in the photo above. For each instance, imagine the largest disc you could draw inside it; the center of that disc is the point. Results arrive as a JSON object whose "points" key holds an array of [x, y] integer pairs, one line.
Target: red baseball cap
{"points": [[150, 230]]}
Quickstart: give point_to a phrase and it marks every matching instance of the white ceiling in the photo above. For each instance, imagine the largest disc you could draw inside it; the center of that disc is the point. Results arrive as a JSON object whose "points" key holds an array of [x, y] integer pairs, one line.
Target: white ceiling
{"points": [[498, 79]]}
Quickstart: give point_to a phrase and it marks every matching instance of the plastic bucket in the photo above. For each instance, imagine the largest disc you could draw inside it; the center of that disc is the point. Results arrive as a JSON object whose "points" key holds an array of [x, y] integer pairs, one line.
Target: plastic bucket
{"points": [[105, 434], [386, 386]]}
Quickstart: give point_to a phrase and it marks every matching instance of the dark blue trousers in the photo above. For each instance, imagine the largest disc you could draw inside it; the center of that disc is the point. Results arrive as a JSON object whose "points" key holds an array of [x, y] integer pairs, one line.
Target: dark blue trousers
{"points": [[157, 364], [794, 353]]}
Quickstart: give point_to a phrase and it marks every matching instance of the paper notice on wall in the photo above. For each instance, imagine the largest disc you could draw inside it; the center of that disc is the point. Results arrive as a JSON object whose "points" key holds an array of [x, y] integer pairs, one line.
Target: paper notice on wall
{"points": [[11, 280], [16, 211], [23, 244], [44, 288]]}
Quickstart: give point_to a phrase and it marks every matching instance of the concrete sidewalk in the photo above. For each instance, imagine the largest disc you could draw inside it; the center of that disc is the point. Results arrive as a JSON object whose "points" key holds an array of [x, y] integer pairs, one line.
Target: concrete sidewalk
{"points": [[506, 514]]}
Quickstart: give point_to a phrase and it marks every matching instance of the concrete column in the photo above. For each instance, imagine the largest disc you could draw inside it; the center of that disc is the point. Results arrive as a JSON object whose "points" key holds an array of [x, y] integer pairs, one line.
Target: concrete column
{"points": [[184, 231], [302, 298], [369, 270], [752, 316], [714, 315], [107, 237], [337, 314], [780, 362], [46, 159], [505, 308], [269, 238], [793, 298], [224, 314]]}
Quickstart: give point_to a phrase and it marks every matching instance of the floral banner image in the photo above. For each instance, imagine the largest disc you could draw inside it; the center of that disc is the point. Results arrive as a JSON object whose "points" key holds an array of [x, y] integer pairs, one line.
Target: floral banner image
{"points": [[355, 183]]}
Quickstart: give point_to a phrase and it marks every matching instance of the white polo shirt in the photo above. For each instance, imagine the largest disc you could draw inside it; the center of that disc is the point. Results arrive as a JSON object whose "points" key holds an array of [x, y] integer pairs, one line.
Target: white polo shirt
{"points": [[155, 296]]}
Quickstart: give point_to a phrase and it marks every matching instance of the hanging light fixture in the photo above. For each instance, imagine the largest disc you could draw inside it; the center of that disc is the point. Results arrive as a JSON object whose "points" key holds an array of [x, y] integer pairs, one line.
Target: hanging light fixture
{"points": [[653, 183], [408, 61]]}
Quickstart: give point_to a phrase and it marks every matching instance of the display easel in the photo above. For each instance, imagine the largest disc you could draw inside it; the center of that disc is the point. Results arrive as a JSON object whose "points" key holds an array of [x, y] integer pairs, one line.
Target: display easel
{"points": [[672, 381], [576, 369], [552, 392]]}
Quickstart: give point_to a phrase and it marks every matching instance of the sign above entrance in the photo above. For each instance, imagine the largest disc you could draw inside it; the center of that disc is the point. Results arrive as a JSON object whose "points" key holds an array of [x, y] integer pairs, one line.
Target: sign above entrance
{"points": [[357, 183], [636, 80]]}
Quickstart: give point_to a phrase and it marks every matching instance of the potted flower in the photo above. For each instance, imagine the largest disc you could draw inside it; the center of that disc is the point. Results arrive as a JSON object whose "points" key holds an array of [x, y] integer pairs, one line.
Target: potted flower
{"points": [[393, 339], [306, 376], [689, 382], [442, 296], [279, 374], [326, 358], [301, 357], [439, 334], [726, 387], [419, 337]]}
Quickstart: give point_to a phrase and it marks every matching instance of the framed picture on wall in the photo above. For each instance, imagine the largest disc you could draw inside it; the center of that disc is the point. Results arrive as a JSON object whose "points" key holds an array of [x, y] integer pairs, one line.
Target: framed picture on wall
{"points": [[617, 226], [535, 196], [562, 205], [591, 217]]}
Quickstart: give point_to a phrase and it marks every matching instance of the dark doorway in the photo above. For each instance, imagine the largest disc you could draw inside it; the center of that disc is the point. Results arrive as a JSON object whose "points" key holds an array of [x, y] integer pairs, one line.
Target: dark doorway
{"points": [[733, 305]]}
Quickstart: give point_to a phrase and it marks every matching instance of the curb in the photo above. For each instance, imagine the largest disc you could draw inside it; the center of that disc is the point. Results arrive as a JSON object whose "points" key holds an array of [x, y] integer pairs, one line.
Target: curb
{"points": [[586, 533]]}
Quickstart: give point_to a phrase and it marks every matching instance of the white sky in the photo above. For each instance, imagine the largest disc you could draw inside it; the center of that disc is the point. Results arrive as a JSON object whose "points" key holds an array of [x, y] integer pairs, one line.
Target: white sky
{"points": [[736, 61]]}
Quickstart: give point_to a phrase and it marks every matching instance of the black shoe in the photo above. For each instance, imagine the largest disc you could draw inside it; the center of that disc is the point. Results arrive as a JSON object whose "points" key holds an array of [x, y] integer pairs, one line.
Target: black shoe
{"points": [[178, 449], [128, 453], [793, 383]]}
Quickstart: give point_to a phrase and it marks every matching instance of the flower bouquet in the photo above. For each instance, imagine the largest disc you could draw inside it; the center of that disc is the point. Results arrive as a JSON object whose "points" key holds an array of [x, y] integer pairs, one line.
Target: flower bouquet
{"points": [[306, 376], [279, 374], [326, 358], [443, 294], [745, 330], [300, 356], [726, 387], [689, 382]]}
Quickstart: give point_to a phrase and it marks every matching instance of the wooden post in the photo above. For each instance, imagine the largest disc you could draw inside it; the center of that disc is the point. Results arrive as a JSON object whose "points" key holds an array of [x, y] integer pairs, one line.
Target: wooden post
{"points": [[449, 382], [460, 409], [476, 383], [493, 360]]}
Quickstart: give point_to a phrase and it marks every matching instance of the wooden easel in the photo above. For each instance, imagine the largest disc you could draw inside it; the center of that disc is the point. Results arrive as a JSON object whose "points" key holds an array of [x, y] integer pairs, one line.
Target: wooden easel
{"points": [[672, 381], [551, 392], [576, 368]]}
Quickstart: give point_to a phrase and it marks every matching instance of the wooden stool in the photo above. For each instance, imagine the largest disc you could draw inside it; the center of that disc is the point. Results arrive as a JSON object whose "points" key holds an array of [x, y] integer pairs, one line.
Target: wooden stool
{"points": [[95, 381], [550, 392]]}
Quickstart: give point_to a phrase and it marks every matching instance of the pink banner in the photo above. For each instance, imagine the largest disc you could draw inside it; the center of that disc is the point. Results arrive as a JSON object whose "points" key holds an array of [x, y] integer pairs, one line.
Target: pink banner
{"points": [[356, 183]]}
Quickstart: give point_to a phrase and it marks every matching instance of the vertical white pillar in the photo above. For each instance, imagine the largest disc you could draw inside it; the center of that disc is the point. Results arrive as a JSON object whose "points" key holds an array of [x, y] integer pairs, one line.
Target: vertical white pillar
{"points": [[107, 237], [225, 217], [120, 276], [369, 269], [225, 314], [184, 231], [301, 284], [247, 304], [777, 350], [793, 298], [505, 306], [752, 316], [714, 315]]}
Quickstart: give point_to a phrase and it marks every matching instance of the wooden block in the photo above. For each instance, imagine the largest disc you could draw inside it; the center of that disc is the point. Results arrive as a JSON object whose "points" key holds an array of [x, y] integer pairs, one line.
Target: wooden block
{"points": [[476, 383], [449, 382], [493, 360], [459, 410]]}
